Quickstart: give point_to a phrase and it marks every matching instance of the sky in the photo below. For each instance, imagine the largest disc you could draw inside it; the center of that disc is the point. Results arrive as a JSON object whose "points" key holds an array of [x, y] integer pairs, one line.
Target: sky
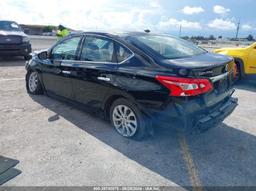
{"points": [[196, 17]]}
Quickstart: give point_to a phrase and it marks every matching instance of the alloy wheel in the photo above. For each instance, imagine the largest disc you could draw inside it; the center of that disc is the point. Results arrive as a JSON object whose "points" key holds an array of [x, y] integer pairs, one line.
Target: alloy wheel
{"points": [[124, 120], [33, 82]]}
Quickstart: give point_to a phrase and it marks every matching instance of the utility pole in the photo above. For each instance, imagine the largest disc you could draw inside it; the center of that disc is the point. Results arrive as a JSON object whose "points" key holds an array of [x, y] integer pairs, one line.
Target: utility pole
{"points": [[180, 31], [237, 29]]}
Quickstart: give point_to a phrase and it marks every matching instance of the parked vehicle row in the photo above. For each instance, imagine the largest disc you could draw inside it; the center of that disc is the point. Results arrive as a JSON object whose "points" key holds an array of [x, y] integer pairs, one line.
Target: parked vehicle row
{"points": [[137, 79]]}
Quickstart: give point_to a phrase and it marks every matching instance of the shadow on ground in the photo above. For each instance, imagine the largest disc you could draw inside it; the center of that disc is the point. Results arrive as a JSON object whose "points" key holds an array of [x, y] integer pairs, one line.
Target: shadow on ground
{"points": [[12, 61], [247, 84], [224, 156]]}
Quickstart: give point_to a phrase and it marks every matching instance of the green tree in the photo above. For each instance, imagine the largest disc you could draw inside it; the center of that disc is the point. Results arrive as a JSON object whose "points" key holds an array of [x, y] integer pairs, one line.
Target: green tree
{"points": [[48, 28], [250, 38], [211, 37], [185, 37]]}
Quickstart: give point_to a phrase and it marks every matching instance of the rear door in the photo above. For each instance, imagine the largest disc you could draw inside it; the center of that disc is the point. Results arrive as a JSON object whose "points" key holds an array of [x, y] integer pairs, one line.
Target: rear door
{"points": [[56, 75], [93, 74]]}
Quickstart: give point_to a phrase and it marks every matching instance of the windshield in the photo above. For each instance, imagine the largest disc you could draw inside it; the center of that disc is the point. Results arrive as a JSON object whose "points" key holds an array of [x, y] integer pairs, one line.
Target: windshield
{"points": [[9, 26], [170, 47]]}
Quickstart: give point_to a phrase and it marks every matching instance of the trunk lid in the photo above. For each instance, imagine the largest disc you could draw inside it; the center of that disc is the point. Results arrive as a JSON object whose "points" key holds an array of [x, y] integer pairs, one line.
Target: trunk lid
{"points": [[206, 65]]}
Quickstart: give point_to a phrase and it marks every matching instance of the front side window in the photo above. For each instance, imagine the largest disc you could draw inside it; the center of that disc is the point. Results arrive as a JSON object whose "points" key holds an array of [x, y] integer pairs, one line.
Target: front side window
{"points": [[169, 47], [98, 49], [66, 50], [122, 53]]}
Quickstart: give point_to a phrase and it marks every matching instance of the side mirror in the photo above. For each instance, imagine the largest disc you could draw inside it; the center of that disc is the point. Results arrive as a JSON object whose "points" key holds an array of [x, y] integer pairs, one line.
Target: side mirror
{"points": [[43, 55]]}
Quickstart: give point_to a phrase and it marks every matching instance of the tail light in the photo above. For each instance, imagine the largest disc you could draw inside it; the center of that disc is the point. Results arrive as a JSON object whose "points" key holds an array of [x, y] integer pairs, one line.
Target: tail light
{"points": [[185, 86]]}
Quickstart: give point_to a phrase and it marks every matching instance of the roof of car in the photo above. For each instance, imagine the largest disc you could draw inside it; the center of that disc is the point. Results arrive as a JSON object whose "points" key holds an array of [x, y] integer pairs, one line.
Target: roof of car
{"points": [[113, 34]]}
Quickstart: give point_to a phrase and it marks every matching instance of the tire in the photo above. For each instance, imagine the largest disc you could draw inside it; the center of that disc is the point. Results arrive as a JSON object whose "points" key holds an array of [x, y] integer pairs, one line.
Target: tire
{"points": [[130, 125], [238, 72], [33, 83]]}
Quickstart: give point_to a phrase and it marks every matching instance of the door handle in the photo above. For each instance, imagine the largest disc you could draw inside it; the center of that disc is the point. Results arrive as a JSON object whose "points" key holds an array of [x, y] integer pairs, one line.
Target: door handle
{"points": [[66, 72], [103, 79]]}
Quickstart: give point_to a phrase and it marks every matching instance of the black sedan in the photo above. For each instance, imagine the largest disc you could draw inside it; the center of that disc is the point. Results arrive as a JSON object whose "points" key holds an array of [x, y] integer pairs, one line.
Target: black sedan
{"points": [[137, 79]]}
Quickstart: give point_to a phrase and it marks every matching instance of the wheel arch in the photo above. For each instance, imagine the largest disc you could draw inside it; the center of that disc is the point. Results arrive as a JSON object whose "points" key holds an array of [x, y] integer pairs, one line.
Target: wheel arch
{"points": [[109, 100], [240, 63], [31, 69]]}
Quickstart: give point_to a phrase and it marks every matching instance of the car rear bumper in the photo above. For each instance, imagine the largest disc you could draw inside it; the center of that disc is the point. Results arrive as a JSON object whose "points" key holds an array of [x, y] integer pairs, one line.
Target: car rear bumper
{"points": [[194, 115], [216, 117], [15, 49]]}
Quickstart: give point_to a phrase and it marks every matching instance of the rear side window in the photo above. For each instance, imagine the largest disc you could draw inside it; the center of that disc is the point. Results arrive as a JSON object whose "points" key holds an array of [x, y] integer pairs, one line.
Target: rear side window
{"points": [[168, 47], [122, 53], [98, 49], [66, 50]]}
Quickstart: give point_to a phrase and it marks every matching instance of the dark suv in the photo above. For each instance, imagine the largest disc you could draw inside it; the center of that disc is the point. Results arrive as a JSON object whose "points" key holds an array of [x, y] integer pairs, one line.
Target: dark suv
{"points": [[13, 41], [137, 79]]}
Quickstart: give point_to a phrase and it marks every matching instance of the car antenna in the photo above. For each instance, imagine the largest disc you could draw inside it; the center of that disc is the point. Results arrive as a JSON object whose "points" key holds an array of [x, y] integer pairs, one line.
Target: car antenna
{"points": [[147, 31]]}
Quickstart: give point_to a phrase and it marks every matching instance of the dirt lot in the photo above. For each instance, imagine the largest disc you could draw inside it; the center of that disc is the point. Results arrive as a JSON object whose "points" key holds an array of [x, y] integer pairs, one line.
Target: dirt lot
{"points": [[57, 144]]}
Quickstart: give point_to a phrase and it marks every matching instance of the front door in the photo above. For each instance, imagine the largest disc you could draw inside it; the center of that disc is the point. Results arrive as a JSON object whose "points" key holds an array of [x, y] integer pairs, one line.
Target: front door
{"points": [[56, 75]]}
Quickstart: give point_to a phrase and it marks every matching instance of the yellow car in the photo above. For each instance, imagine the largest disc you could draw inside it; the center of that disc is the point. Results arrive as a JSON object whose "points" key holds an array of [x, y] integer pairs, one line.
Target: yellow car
{"points": [[245, 59]]}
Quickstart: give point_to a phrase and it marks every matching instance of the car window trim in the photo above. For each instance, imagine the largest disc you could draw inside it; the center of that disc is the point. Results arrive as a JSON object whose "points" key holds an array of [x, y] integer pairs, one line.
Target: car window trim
{"points": [[114, 41], [81, 63]]}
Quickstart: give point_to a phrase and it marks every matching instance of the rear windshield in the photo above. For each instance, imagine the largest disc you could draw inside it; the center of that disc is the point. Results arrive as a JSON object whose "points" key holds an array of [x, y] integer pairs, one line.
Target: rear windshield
{"points": [[9, 26], [169, 47]]}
